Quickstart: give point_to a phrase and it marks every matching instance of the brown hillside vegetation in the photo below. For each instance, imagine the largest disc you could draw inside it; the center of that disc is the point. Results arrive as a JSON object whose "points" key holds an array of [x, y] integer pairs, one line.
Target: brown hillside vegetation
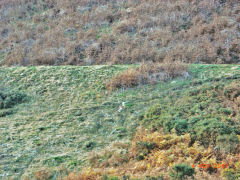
{"points": [[86, 32], [147, 73]]}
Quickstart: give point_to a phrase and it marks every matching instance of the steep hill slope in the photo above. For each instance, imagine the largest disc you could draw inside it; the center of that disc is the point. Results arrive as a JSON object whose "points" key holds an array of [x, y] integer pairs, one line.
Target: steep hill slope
{"points": [[56, 116]]}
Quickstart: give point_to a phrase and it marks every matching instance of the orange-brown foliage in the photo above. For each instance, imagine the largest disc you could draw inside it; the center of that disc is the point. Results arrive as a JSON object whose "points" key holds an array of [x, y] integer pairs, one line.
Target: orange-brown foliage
{"points": [[126, 31], [167, 151], [147, 73]]}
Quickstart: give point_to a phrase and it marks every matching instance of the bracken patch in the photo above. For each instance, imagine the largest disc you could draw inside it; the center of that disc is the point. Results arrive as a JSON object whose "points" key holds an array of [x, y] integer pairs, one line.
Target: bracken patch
{"points": [[147, 73]]}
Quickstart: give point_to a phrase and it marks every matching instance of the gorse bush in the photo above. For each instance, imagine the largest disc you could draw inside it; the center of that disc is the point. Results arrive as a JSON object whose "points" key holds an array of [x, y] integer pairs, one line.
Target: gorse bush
{"points": [[144, 149], [85, 32], [5, 112], [9, 99], [181, 172], [207, 113]]}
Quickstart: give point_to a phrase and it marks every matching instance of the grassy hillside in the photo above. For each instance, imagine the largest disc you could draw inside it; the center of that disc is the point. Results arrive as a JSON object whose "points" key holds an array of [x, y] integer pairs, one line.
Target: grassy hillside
{"points": [[51, 118], [139, 112], [86, 32]]}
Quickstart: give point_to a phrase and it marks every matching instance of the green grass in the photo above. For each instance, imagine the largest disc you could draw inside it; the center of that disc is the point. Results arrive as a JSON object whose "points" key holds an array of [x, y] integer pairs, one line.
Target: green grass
{"points": [[69, 113], [1, 57], [104, 30]]}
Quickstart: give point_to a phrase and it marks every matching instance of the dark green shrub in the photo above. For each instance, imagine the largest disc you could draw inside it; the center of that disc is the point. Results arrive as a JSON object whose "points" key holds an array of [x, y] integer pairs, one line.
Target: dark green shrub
{"points": [[207, 130], [10, 99], [1, 102], [168, 125], [144, 148], [4, 112], [90, 145], [126, 177], [226, 111], [182, 171], [181, 126]]}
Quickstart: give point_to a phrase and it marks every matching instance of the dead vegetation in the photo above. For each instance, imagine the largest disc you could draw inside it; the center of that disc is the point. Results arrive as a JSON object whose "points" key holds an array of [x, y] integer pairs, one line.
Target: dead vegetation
{"points": [[147, 73], [153, 154], [119, 32]]}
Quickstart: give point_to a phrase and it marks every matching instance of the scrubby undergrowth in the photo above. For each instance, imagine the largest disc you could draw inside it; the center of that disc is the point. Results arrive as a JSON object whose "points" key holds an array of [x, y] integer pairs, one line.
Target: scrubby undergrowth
{"points": [[161, 157], [85, 32], [210, 113]]}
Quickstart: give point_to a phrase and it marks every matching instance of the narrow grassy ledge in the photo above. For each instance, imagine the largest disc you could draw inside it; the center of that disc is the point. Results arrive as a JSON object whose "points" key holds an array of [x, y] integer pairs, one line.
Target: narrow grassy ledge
{"points": [[70, 113]]}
